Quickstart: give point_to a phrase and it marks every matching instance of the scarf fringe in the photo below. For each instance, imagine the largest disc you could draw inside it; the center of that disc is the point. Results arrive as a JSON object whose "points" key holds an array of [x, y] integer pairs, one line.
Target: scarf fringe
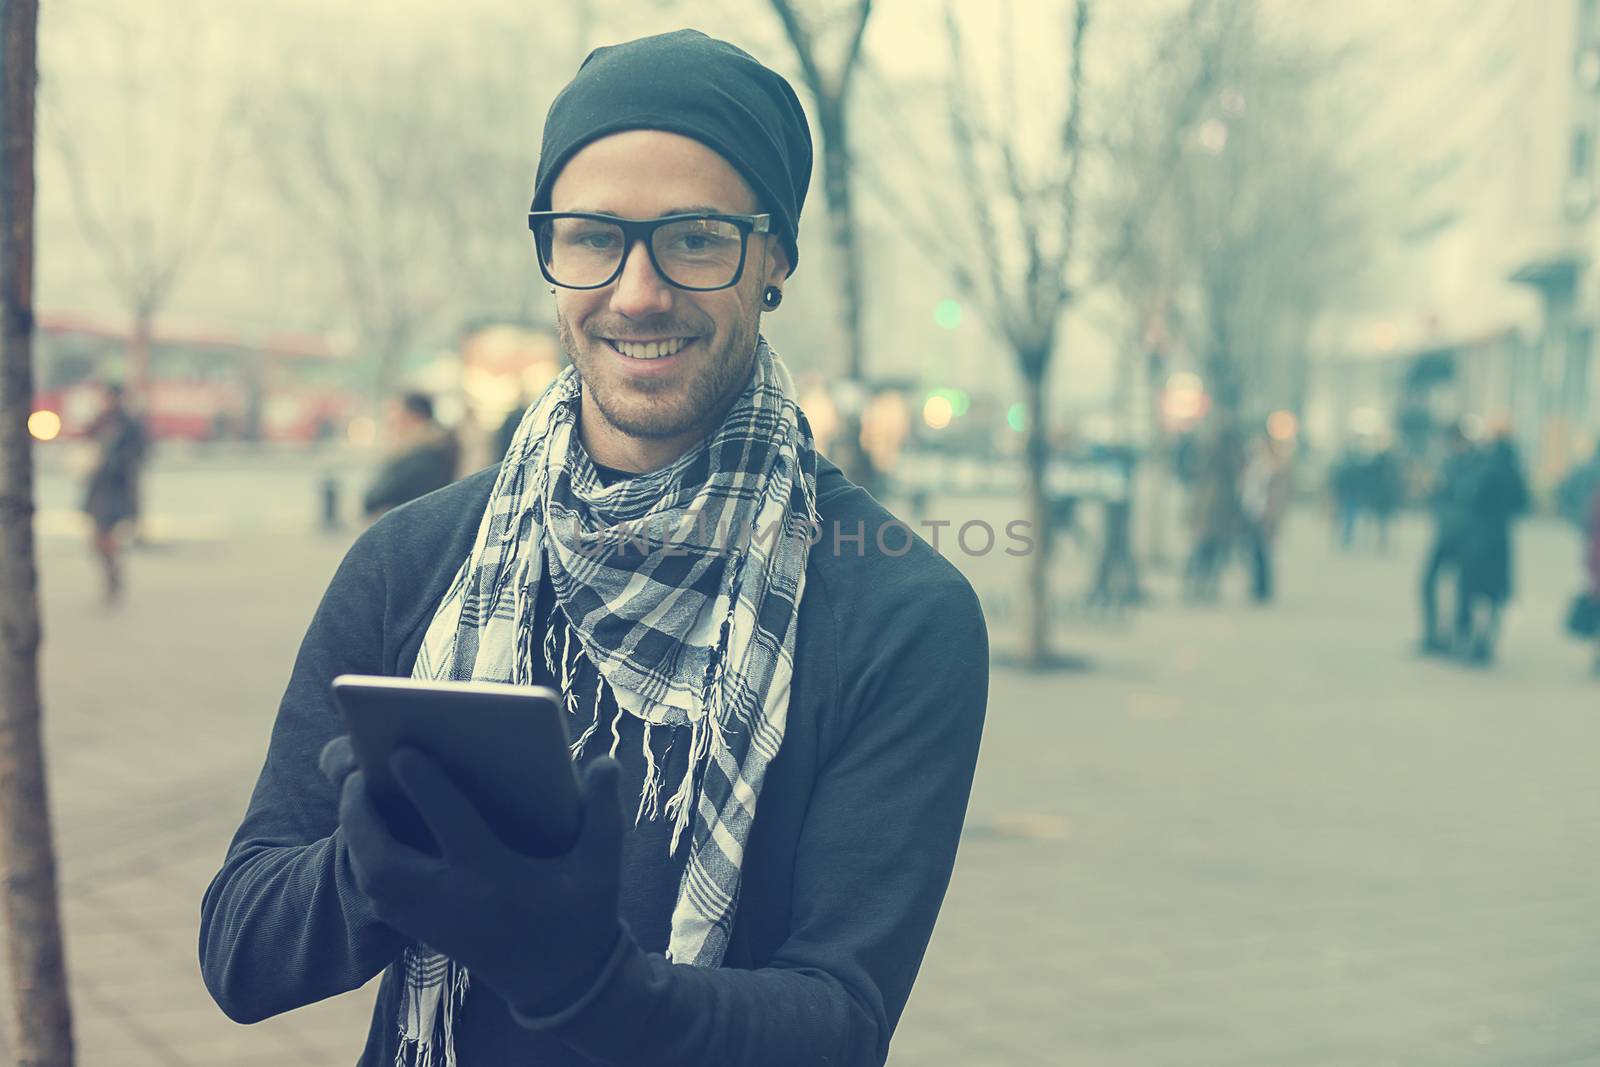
{"points": [[437, 1048]]}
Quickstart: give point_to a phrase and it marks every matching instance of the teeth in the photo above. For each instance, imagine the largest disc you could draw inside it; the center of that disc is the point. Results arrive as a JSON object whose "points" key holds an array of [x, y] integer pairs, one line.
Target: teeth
{"points": [[652, 350]]}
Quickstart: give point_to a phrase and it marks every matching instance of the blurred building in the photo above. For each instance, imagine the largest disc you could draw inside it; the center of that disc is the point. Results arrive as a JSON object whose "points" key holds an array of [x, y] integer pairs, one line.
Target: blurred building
{"points": [[1491, 296], [1560, 379]]}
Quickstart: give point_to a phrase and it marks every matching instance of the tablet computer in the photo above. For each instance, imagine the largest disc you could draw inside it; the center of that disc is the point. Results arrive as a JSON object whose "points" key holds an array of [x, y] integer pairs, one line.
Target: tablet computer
{"points": [[505, 746]]}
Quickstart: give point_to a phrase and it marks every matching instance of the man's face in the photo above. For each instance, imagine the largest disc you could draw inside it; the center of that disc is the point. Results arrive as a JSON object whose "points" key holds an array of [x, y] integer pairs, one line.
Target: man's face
{"points": [[678, 398]]}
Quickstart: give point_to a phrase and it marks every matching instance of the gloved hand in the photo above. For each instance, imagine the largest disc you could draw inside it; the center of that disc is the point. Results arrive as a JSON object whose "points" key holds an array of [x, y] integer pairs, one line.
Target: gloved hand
{"points": [[536, 930]]}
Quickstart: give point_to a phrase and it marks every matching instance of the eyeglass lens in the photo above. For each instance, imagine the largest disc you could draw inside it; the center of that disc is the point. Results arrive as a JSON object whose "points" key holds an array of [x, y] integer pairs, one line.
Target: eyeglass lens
{"points": [[693, 253]]}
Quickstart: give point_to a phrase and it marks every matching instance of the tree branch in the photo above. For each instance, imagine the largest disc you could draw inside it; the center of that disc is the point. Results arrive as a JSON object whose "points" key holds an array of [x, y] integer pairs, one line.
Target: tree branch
{"points": [[852, 52], [804, 49], [965, 144], [1072, 148], [1164, 168]]}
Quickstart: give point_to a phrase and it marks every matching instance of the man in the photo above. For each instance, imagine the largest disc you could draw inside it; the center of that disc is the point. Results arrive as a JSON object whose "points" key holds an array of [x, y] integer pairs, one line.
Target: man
{"points": [[794, 722], [1386, 489], [1452, 497], [1577, 489], [1348, 484], [1592, 560], [1263, 498], [111, 493], [1499, 496], [422, 456]]}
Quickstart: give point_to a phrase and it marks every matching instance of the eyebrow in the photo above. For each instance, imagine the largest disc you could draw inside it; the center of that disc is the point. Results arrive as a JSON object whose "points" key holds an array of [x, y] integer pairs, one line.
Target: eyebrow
{"points": [[690, 209]]}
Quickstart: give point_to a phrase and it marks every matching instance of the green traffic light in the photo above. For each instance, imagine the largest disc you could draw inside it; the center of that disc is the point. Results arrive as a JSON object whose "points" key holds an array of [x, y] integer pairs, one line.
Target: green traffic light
{"points": [[948, 314]]}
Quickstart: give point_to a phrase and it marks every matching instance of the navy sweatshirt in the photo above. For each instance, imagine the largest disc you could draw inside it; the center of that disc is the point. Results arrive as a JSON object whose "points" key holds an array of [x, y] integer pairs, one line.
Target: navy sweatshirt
{"points": [[846, 866]]}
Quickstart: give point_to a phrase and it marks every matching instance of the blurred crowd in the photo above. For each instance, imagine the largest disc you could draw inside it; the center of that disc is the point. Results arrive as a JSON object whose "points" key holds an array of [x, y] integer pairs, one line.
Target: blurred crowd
{"points": [[1239, 489], [1474, 491]]}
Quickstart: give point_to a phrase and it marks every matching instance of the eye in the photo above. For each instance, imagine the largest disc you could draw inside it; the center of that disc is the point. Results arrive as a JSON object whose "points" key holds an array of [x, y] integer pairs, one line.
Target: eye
{"points": [[598, 240], [585, 236], [698, 239]]}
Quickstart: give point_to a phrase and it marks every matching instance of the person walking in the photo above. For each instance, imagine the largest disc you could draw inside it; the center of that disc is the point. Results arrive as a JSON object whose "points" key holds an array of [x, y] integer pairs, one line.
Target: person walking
{"points": [[789, 694], [111, 489], [1263, 498], [1386, 490], [1578, 500], [1577, 490], [1347, 490], [1499, 494], [1592, 558], [1452, 503]]}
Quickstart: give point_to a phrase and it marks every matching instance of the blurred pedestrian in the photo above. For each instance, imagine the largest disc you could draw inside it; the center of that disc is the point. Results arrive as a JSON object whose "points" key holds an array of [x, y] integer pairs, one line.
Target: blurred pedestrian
{"points": [[111, 492], [1347, 482], [1385, 491], [1499, 494], [1263, 497], [1116, 581], [1218, 462], [1451, 500], [1578, 500], [1583, 620], [422, 457], [1577, 489]]}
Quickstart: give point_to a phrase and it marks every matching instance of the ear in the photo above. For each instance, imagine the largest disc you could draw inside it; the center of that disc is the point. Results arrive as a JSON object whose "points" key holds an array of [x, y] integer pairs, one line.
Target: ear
{"points": [[777, 263]]}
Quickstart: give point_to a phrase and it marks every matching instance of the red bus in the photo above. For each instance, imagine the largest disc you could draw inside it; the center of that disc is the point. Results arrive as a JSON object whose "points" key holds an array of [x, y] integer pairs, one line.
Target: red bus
{"points": [[201, 385]]}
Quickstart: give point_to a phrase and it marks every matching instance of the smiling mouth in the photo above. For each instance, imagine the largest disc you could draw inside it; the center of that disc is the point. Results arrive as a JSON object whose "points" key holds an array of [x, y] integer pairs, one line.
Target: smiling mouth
{"points": [[647, 350]]}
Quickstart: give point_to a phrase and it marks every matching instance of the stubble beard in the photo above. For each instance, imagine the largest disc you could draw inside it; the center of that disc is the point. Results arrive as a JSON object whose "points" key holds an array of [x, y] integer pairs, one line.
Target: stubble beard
{"points": [[667, 409]]}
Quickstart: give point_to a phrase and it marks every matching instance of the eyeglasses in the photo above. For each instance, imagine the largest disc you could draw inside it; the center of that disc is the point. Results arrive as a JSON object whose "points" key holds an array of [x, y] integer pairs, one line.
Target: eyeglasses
{"points": [[579, 250]]}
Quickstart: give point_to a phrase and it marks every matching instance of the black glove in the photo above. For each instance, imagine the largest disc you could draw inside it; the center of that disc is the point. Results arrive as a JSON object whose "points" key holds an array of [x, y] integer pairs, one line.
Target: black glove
{"points": [[537, 930]]}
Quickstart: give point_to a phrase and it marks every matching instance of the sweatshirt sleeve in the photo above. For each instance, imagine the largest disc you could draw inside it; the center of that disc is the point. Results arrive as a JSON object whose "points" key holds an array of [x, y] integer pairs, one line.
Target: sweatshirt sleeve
{"points": [[874, 860], [283, 924]]}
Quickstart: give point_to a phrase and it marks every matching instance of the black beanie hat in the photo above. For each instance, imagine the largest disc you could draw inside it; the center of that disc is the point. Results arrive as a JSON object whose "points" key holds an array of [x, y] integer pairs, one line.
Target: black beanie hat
{"points": [[687, 83]]}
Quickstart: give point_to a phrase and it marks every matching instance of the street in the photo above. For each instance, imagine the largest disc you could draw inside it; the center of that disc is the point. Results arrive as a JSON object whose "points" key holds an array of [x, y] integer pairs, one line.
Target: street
{"points": [[1242, 836]]}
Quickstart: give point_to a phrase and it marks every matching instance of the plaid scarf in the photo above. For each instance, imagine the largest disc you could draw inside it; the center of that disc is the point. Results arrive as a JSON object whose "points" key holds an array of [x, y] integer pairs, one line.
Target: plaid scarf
{"points": [[699, 634]]}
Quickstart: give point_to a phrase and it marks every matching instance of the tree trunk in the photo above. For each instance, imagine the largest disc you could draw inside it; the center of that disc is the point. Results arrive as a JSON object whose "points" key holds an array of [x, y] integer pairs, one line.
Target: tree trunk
{"points": [[1158, 466], [41, 1016], [1036, 652], [841, 220], [137, 378], [836, 162]]}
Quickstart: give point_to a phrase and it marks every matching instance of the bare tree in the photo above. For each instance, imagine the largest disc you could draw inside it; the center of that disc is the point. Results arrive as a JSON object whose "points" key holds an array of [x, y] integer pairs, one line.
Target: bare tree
{"points": [[41, 1014], [1013, 254], [830, 85], [406, 175], [1008, 233], [172, 146], [1268, 227], [1024, 229], [1236, 226], [354, 157], [1139, 258]]}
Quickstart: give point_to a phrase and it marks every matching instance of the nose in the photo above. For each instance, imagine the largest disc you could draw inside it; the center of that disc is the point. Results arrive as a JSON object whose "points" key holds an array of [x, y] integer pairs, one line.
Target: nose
{"points": [[639, 290]]}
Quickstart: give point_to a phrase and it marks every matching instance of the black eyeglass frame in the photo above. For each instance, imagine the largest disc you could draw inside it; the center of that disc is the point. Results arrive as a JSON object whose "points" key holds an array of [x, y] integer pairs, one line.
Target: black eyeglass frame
{"points": [[636, 230]]}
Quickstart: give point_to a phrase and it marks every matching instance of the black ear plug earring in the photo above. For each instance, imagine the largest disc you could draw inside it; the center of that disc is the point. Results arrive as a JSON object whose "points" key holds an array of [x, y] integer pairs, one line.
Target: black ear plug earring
{"points": [[771, 297]]}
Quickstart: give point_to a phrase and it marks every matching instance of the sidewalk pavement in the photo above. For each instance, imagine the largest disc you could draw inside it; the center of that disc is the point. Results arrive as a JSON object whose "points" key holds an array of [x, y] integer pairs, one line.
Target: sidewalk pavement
{"points": [[1245, 837]]}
